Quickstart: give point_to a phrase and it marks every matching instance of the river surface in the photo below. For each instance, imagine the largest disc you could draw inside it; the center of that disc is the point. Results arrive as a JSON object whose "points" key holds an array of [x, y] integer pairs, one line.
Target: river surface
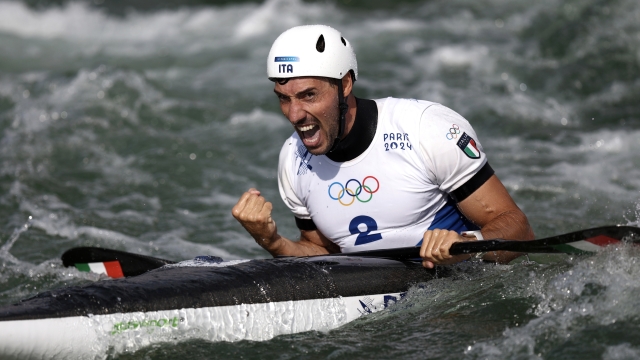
{"points": [[136, 126]]}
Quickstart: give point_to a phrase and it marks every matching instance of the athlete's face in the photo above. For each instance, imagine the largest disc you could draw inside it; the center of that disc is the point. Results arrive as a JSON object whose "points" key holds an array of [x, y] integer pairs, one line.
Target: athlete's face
{"points": [[311, 105]]}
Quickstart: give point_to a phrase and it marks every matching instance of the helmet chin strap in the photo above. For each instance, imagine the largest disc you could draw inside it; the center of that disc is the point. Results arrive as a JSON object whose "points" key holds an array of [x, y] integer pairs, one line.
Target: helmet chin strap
{"points": [[342, 107]]}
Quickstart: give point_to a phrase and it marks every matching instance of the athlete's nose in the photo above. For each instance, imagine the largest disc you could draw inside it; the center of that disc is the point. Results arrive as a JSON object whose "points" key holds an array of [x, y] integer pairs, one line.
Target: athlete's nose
{"points": [[295, 112]]}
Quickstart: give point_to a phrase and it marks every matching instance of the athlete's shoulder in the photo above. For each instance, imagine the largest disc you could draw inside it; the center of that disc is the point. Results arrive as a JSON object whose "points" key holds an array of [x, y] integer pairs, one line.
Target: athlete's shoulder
{"points": [[294, 157], [290, 148], [445, 134], [439, 119], [288, 171], [290, 144], [391, 104]]}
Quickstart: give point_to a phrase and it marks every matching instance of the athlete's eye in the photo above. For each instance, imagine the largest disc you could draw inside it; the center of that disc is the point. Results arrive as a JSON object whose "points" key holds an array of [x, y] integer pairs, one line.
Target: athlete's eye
{"points": [[282, 98]]}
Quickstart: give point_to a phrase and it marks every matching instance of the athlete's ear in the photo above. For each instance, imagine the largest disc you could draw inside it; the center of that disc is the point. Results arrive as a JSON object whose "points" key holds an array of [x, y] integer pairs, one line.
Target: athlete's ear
{"points": [[347, 84]]}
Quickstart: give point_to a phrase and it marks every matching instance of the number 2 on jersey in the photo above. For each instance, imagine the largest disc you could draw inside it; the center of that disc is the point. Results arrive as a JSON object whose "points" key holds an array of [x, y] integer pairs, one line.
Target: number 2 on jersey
{"points": [[364, 237]]}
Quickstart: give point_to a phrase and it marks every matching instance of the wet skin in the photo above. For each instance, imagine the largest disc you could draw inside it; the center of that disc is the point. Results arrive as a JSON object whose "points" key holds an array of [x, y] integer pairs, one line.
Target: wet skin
{"points": [[311, 106]]}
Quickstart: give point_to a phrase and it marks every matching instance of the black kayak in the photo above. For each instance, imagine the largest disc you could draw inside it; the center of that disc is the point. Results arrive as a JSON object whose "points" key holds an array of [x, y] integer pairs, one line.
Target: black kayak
{"points": [[228, 301]]}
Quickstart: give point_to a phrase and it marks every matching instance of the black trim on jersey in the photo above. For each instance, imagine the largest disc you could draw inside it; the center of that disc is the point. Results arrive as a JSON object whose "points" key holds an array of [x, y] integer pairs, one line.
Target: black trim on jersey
{"points": [[361, 134], [305, 224], [473, 184]]}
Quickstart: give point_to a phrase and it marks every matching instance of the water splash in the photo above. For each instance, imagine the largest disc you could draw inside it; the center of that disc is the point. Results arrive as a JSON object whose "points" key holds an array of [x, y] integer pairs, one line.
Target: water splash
{"points": [[631, 214], [184, 80], [4, 250], [599, 294], [198, 263]]}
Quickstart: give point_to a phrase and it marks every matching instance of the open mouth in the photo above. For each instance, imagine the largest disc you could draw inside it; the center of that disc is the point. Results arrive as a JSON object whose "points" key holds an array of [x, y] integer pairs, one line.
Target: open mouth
{"points": [[306, 127], [310, 134]]}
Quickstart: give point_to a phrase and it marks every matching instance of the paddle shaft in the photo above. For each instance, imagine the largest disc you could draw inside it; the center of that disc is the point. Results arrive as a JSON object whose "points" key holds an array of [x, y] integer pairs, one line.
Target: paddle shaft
{"points": [[546, 245], [134, 264], [470, 247]]}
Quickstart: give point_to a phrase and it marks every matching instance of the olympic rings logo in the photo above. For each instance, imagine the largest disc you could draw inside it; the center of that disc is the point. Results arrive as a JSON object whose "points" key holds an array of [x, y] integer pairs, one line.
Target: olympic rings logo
{"points": [[453, 132], [343, 190]]}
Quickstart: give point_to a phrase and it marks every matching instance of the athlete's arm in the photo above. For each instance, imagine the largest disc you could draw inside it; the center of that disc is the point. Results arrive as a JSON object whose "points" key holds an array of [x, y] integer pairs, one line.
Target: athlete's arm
{"points": [[490, 207], [253, 212], [312, 242], [455, 160]]}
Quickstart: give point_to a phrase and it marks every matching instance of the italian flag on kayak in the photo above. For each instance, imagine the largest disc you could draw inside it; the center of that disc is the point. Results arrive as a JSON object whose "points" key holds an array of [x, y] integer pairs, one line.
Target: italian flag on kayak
{"points": [[589, 245], [110, 268], [468, 146]]}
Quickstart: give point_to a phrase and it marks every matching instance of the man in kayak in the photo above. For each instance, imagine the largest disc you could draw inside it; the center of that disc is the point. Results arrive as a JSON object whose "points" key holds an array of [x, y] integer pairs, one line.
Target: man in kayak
{"points": [[361, 174]]}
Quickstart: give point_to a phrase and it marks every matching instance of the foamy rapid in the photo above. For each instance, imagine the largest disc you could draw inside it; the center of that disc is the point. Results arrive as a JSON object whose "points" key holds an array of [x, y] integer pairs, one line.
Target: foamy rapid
{"points": [[137, 127]]}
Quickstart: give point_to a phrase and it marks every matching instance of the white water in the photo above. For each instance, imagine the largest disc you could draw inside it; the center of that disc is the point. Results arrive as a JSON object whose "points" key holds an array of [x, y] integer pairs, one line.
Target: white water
{"points": [[138, 130]]}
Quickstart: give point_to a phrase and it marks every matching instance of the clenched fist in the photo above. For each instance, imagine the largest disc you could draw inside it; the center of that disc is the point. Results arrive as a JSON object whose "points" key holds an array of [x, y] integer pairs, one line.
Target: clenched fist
{"points": [[254, 213]]}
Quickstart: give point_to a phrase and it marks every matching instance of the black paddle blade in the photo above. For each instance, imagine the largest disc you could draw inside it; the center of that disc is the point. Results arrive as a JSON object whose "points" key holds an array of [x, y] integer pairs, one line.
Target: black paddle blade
{"points": [[116, 263]]}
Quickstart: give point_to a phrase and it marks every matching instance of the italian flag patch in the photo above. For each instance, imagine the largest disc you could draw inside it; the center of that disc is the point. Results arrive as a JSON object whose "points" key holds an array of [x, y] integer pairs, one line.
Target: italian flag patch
{"points": [[587, 246], [110, 268], [468, 146]]}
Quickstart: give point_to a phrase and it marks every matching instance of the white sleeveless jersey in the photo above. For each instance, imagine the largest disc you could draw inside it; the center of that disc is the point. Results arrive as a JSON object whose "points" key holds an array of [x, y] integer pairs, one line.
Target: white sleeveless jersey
{"points": [[393, 192]]}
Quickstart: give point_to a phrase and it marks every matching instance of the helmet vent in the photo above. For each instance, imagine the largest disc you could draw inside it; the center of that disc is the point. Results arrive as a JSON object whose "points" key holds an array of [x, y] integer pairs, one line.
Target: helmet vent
{"points": [[344, 42], [320, 44]]}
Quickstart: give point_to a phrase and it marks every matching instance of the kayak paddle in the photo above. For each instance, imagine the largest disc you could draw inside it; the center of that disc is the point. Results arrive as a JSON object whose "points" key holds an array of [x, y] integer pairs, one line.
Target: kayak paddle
{"points": [[577, 242], [117, 263]]}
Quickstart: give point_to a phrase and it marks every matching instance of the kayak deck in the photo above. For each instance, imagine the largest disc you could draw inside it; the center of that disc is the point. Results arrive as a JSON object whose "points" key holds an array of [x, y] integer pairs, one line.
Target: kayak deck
{"points": [[255, 281], [253, 300]]}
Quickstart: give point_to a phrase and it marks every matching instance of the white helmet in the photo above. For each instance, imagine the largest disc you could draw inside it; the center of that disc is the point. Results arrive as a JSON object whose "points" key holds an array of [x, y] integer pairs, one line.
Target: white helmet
{"points": [[311, 50]]}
